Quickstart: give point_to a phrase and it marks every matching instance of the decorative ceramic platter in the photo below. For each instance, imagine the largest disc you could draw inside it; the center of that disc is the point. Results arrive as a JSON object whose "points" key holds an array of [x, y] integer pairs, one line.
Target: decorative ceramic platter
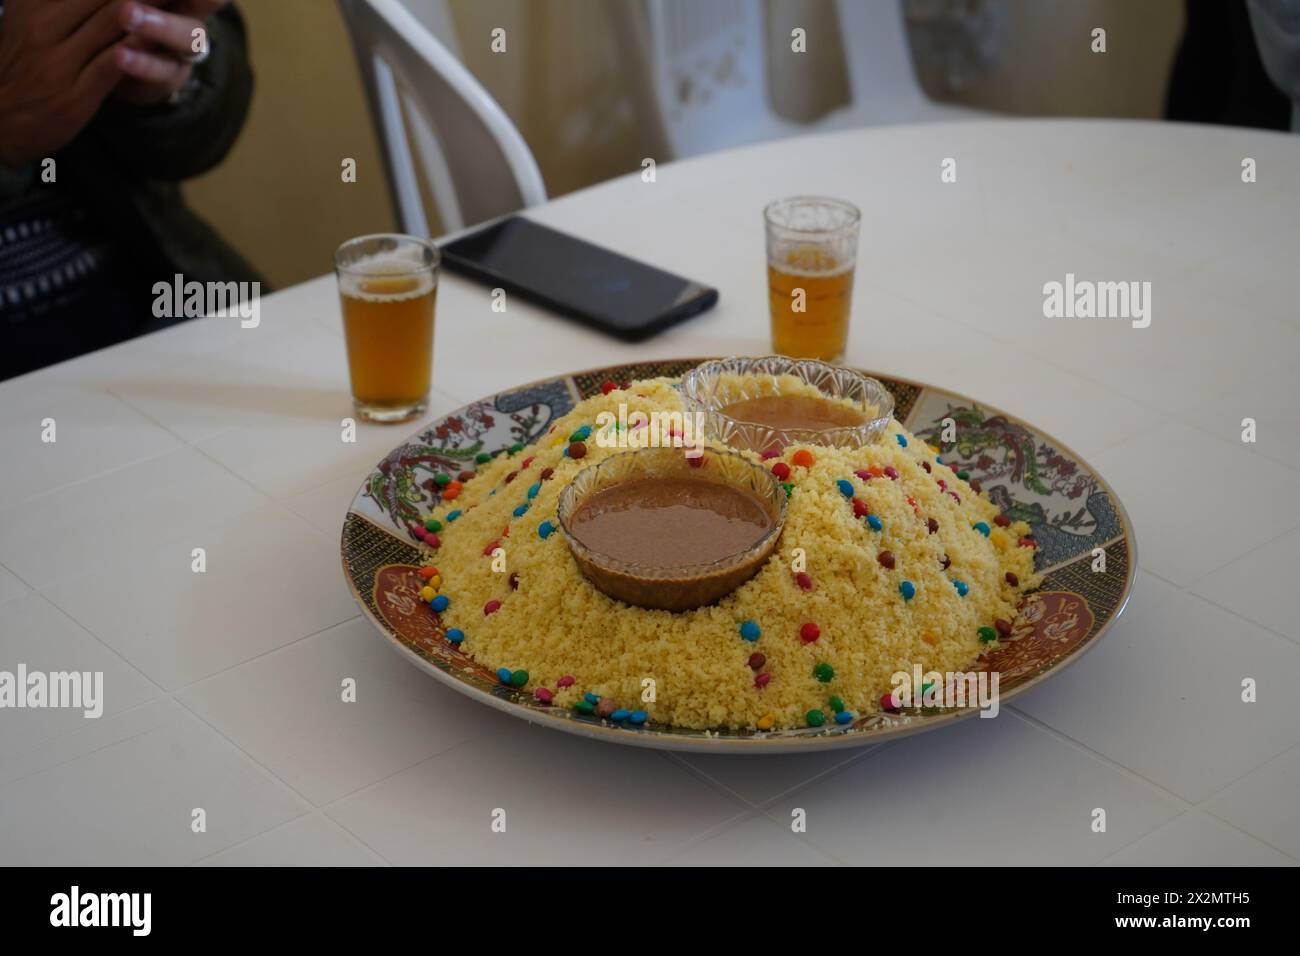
{"points": [[1028, 474]]}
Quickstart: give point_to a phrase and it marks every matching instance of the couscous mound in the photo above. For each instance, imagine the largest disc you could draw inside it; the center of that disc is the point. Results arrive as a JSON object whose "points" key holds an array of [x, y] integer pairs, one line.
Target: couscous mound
{"points": [[846, 564]]}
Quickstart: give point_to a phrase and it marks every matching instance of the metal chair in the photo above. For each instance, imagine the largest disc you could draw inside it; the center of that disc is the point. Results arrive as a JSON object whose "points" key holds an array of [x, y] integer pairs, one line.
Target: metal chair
{"points": [[475, 162]]}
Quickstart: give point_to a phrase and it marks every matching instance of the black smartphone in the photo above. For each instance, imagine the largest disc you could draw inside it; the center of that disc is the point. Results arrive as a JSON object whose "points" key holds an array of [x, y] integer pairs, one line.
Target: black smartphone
{"points": [[600, 288]]}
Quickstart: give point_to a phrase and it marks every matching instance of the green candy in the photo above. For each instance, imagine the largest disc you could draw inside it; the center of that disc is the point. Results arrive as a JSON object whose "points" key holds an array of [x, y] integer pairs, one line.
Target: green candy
{"points": [[815, 718], [836, 703], [824, 673], [987, 634], [441, 478], [516, 448], [433, 524], [482, 458], [963, 475], [519, 678], [584, 707], [789, 488]]}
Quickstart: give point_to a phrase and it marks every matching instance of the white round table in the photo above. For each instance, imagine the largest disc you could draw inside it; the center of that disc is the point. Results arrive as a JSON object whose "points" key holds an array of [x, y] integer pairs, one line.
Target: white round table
{"points": [[222, 689]]}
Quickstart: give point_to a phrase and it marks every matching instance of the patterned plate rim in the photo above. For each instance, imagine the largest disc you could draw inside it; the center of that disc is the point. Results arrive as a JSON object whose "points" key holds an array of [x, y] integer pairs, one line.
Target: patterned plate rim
{"points": [[701, 741]]}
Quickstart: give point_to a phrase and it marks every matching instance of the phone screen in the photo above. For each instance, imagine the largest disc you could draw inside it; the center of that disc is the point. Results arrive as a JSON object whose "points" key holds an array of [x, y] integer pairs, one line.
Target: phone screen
{"points": [[617, 294]]}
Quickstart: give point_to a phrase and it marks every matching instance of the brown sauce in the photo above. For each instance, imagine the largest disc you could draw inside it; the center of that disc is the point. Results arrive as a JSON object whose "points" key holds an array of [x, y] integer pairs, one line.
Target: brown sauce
{"points": [[795, 411], [668, 522]]}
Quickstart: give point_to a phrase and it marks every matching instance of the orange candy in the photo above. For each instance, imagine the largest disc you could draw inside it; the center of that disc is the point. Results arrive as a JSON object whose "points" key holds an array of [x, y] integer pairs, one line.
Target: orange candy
{"points": [[427, 573], [803, 457], [451, 491], [875, 471]]}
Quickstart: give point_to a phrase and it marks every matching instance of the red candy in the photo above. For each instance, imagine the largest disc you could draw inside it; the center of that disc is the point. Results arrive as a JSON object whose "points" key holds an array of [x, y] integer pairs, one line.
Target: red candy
{"points": [[487, 552], [864, 474], [1012, 579], [1002, 521], [955, 497], [696, 462], [465, 476], [607, 386], [809, 632], [761, 680], [891, 472], [887, 703], [547, 472], [860, 509], [431, 540], [577, 450], [1027, 543], [781, 470], [803, 580], [771, 453], [543, 695], [528, 461], [757, 660], [565, 681], [511, 477], [491, 607]]}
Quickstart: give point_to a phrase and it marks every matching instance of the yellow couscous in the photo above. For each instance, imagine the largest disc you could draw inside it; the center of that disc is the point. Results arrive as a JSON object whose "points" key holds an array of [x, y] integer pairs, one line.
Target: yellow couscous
{"points": [[531, 609]]}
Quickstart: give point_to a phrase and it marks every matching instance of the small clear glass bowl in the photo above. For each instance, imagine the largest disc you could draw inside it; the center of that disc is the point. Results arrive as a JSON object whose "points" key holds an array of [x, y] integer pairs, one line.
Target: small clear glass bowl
{"points": [[708, 389], [685, 586]]}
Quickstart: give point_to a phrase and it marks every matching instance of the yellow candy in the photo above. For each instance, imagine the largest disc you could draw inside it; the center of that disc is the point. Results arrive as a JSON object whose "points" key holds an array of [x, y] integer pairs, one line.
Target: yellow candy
{"points": [[766, 721], [427, 593], [435, 581], [999, 540]]}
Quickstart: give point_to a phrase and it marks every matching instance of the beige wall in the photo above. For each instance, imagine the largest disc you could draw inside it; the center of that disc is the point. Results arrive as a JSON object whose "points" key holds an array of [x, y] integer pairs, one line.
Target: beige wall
{"points": [[280, 199]]}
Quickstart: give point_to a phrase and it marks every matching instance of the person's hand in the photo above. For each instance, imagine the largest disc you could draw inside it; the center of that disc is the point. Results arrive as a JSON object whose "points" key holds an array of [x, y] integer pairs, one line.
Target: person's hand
{"points": [[58, 61], [165, 36]]}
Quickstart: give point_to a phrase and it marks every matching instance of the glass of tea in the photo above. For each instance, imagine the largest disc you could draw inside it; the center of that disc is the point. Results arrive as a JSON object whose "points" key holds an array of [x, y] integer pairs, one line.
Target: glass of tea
{"points": [[387, 285], [812, 248]]}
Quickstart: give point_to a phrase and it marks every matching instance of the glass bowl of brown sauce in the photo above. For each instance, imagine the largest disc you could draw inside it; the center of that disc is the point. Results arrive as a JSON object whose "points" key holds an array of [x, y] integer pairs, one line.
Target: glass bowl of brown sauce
{"points": [[765, 404], [657, 528]]}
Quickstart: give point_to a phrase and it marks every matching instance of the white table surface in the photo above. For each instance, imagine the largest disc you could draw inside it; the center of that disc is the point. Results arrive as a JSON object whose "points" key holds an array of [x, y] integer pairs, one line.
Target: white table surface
{"points": [[223, 689]]}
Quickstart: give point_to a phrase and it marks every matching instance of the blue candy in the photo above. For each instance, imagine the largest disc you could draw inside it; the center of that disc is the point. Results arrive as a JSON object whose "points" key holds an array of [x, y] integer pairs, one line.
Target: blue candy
{"points": [[846, 487], [637, 717], [620, 714], [908, 590], [981, 527], [521, 510], [591, 698], [453, 515], [750, 631], [962, 587], [455, 635], [532, 492], [844, 717], [440, 603], [874, 522], [902, 440], [544, 530], [504, 675], [582, 434]]}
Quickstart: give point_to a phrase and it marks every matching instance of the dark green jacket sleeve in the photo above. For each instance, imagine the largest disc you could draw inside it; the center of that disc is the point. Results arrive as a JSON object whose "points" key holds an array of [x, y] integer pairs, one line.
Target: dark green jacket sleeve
{"points": [[171, 142]]}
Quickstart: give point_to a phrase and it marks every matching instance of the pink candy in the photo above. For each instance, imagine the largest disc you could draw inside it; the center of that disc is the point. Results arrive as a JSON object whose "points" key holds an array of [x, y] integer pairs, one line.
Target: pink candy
{"points": [[544, 695], [761, 680], [491, 607], [565, 681], [891, 472], [771, 453]]}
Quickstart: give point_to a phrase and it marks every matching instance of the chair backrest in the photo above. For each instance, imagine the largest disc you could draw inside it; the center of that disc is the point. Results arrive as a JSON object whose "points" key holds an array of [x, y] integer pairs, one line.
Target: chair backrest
{"points": [[877, 51], [700, 69], [476, 163]]}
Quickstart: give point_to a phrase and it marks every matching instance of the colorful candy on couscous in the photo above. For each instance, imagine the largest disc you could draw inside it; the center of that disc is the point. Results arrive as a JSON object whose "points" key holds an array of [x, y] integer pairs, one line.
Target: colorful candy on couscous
{"points": [[888, 559]]}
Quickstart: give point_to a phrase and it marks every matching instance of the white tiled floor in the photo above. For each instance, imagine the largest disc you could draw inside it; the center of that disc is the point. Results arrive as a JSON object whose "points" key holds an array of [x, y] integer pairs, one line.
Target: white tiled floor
{"points": [[66, 815], [312, 840], [1191, 508], [629, 805], [324, 747], [1266, 803], [1162, 693], [1197, 839], [179, 627], [1260, 585], [223, 690], [993, 792]]}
